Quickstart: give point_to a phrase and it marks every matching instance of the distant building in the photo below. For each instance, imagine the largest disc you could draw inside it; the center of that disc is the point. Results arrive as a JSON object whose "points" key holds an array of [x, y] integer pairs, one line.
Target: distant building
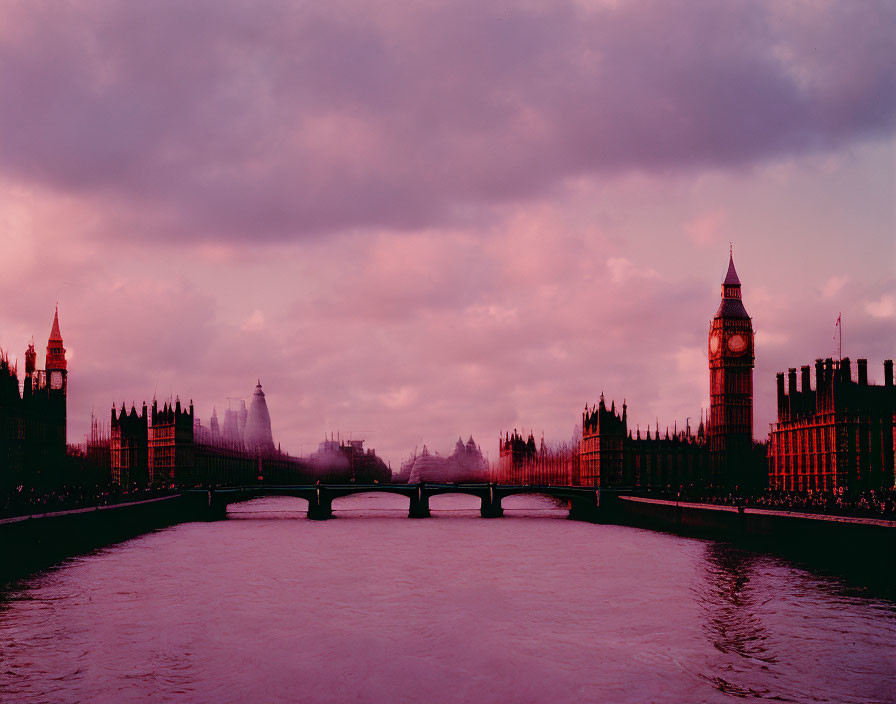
{"points": [[521, 461], [339, 460], [257, 435], [33, 417], [838, 435], [516, 458], [465, 464], [170, 446]]}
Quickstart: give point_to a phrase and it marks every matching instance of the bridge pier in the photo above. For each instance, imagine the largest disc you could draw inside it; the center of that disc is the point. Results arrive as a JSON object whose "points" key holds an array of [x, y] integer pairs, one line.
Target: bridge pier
{"points": [[419, 503], [585, 508], [491, 504], [320, 506], [216, 507]]}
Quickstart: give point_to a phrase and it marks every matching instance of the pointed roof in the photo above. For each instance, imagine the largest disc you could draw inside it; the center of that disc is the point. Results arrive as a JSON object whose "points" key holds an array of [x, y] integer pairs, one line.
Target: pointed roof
{"points": [[55, 335], [731, 277]]}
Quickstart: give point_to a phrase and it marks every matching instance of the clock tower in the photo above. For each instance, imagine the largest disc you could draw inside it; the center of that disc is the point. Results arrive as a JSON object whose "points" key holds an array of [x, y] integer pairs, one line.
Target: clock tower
{"points": [[731, 358], [57, 382]]}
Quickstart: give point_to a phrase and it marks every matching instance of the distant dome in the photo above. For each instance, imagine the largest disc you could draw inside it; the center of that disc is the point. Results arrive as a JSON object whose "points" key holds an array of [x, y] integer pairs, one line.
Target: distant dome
{"points": [[258, 436]]}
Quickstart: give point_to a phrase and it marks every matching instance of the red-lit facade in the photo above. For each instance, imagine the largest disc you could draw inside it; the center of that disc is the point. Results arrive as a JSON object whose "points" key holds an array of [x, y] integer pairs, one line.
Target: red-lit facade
{"points": [[840, 434]]}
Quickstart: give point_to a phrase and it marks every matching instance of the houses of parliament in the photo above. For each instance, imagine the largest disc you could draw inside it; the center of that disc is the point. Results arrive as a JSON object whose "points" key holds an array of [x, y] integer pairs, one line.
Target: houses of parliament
{"points": [[840, 435], [33, 415]]}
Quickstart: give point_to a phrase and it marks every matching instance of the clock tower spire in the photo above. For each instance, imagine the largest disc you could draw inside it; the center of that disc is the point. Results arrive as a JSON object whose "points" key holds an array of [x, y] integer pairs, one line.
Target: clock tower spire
{"points": [[731, 361]]}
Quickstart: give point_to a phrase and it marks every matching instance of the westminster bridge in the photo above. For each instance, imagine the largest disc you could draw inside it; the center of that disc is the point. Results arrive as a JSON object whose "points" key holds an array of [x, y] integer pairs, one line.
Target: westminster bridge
{"points": [[584, 502]]}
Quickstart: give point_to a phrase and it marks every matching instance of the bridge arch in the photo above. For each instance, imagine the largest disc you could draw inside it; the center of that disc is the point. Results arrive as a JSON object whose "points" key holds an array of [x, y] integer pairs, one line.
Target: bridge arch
{"points": [[387, 500], [280, 507]]}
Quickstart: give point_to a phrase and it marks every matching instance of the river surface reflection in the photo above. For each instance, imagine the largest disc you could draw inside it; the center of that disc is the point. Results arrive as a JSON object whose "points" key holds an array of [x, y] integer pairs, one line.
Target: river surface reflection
{"points": [[375, 607]]}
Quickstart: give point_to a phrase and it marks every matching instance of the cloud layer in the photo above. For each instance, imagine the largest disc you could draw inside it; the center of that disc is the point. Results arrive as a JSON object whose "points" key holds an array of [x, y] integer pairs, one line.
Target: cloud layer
{"points": [[276, 121]]}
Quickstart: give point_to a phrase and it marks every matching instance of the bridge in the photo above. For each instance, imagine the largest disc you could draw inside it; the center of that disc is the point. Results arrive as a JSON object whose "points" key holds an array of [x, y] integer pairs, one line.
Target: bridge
{"points": [[584, 502]]}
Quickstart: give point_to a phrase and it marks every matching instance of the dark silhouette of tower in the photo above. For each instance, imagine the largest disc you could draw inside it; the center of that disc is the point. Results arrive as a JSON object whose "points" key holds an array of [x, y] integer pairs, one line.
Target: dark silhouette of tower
{"points": [[57, 373], [731, 359]]}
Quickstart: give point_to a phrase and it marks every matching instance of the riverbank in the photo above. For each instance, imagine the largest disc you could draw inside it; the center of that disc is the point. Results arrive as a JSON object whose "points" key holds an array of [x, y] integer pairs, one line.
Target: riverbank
{"points": [[37, 541], [861, 549]]}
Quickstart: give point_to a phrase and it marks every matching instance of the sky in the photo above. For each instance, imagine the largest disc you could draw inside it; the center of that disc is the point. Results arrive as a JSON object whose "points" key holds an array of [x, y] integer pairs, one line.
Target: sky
{"points": [[419, 221]]}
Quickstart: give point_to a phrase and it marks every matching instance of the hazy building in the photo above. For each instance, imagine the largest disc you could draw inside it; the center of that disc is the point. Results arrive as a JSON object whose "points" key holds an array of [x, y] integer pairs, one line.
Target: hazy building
{"points": [[258, 437], [230, 432], [465, 464], [338, 460]]}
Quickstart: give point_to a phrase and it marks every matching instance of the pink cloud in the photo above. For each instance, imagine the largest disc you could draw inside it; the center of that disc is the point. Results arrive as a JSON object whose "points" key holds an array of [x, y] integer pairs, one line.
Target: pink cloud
{"points": [[704, 229]]}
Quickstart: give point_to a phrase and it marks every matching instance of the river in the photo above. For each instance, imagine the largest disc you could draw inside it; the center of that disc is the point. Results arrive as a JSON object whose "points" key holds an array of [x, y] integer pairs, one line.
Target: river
{"points": [[267, 606]]}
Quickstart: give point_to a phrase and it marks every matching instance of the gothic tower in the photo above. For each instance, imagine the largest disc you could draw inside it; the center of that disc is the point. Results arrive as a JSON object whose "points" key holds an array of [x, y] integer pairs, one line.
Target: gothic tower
{"points": [[56, 376], [731, 358]]}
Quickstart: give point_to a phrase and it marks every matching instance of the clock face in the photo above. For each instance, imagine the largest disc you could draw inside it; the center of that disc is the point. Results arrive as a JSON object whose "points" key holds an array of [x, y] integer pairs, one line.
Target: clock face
{"points": [[56, 380], [737, 343], [714, 343]]}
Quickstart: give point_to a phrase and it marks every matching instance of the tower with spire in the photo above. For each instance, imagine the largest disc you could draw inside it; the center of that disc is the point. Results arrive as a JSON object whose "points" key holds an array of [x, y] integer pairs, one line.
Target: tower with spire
{"points": [[57, 374], [731, 361], [258, 436]]}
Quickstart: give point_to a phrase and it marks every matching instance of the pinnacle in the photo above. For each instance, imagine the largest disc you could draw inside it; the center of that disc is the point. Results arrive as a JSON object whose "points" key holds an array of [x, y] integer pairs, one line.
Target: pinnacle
{"points": [[731, 277], [55, 335]]}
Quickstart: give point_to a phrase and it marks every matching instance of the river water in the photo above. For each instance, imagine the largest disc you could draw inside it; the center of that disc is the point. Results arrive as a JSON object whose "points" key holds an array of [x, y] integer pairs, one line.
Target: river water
{"points": [[375, 607]]}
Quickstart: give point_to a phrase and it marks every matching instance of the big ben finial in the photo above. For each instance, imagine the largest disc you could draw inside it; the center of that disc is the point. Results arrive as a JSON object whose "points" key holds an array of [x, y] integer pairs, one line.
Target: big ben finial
{"points": [[731, 277]]}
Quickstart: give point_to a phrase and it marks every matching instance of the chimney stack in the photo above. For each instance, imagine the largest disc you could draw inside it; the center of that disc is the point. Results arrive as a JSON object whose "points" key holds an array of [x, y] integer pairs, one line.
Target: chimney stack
{"points": [[791, 391], [782, 397], [846, 369], [862, 364], [888, 372], [805, 384]]}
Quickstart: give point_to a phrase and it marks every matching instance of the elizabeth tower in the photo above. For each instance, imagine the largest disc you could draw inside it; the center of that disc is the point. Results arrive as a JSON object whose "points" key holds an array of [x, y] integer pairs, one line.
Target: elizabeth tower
{"points": [[731, 358], [57, 380]]}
